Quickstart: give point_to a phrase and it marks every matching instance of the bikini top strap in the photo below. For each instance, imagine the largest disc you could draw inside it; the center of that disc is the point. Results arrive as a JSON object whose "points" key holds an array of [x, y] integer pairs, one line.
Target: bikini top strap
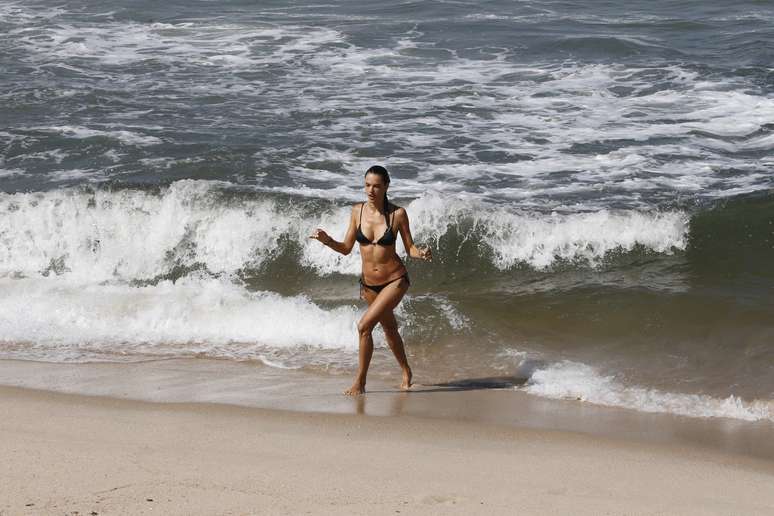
{"points": [[387, 215], [361, 215]]}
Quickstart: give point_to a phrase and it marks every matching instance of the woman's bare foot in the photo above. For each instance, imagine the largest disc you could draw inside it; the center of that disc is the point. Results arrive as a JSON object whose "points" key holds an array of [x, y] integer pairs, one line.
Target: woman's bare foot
{"points": [[407, 375], [356, 389]]}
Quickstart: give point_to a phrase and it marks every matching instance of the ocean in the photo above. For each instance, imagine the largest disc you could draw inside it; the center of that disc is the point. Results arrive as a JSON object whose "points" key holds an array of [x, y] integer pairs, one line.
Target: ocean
{"points": [[595, 180]]}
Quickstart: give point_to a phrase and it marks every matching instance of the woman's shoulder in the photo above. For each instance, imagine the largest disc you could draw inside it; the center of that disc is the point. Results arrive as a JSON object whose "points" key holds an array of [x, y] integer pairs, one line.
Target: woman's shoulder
{"points": [[397, 211]]}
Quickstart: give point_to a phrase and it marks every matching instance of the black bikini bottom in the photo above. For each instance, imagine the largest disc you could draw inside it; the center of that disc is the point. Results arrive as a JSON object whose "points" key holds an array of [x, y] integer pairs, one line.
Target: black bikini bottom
{"points": [[379, 288]]}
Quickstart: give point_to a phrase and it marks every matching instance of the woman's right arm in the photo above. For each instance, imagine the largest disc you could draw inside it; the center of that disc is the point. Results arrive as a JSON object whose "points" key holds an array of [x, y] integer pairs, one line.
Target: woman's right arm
{"points": [[344, 247]]}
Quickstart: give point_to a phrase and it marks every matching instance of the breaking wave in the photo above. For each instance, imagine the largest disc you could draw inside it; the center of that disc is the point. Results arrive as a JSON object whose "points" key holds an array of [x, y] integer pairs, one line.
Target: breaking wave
{"points": [[127, 234]]}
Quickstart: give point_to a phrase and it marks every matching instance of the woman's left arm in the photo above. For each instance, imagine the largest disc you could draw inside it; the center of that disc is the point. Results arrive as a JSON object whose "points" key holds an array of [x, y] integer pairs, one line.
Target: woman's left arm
{"points": [[402, 220]]}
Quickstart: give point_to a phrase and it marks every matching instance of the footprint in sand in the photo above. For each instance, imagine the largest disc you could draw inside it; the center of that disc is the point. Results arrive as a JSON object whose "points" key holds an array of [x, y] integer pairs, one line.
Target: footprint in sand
{"points": [[441, 500]]}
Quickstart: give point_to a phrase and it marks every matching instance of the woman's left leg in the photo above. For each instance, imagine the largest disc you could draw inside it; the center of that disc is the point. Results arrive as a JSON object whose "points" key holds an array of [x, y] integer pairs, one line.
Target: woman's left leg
{"points": [[390, 327], [384, 302]]}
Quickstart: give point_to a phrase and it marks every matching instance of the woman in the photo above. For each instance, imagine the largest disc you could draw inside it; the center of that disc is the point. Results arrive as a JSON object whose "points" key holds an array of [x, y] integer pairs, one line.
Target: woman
{"points": [[384, 280]]}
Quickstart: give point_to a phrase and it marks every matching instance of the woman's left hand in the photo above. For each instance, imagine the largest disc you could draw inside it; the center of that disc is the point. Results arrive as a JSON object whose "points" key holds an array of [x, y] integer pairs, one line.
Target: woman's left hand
{"points": [[425, 254]]}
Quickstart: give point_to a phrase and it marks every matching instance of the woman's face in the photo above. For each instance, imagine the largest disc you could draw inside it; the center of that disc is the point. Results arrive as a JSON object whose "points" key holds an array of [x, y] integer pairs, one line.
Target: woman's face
{"points": [[375, 187]]}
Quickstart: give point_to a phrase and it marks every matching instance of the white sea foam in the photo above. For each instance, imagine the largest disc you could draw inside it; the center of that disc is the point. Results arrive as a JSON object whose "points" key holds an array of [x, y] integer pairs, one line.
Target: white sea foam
{"points": [[545, 120], [576, 381], [445, 314], [533, 239], [514, 237], [62, 319], [275, 363], [320, 257], [131, 234], [570, 105], [55, 155], [16, 14], [540, 240], [71, 174], [10, 172], [205, 44], [126, 137], [457, 320]]}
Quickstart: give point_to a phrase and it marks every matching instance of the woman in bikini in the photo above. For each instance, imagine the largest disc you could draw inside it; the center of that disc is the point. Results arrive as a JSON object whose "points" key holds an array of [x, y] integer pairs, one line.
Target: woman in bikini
{"points": [[384, 279]]}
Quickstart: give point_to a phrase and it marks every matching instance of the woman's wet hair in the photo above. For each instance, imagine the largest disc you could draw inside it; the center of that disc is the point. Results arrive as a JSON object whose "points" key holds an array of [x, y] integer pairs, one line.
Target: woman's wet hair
{"points": [[381, 172]]}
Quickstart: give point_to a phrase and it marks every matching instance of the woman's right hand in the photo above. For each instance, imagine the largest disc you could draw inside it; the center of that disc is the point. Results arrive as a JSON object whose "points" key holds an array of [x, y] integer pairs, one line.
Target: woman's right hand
{"points": [[321, 235]]}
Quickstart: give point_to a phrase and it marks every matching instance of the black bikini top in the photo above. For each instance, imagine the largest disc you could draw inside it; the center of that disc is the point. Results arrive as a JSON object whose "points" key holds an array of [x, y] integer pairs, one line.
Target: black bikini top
{"points": [[387, 239]]}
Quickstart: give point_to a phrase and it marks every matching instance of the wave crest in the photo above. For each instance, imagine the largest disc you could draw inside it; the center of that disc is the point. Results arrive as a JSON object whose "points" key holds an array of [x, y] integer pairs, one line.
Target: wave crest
{"points": [[193, 225]]}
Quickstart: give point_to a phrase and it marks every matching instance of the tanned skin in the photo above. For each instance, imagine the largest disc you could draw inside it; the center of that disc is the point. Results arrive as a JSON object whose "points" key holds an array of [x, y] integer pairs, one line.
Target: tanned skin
{"points": [[381, 264]]}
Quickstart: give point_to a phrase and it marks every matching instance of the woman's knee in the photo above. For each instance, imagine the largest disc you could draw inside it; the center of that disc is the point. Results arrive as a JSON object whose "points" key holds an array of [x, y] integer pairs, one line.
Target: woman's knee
{"points": [[364, 328]]}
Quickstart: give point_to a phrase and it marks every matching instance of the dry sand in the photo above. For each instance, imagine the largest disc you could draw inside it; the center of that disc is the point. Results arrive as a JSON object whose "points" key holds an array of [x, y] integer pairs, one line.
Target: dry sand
{"points": [[72, 454]]}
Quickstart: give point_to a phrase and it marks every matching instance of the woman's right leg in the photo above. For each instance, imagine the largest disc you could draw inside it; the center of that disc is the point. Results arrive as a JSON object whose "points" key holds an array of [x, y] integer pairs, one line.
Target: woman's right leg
{"points": [[365, 349]]}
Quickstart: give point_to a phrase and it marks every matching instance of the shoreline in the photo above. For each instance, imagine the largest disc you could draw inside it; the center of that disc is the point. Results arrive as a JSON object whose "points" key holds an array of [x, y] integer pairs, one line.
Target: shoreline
{"points": [[65, 453], [248, 385]]}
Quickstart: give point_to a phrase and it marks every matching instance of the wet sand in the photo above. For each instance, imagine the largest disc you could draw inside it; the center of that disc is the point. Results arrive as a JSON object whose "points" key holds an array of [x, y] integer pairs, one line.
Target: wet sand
{"points": [[66, 454], [475, 400]]}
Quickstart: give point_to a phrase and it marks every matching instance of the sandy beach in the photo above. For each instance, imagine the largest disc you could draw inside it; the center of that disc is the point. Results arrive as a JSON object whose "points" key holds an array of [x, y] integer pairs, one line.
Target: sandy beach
{"points": [[559, 215], [73, 454]]}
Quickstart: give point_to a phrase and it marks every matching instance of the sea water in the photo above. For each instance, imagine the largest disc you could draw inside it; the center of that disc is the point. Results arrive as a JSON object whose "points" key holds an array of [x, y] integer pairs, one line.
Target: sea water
{"points": [[595, 180]]}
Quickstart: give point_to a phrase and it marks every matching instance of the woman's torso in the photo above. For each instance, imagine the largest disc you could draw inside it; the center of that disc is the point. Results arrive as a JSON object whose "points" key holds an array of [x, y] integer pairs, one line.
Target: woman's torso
{"points": [[381, 262]]}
